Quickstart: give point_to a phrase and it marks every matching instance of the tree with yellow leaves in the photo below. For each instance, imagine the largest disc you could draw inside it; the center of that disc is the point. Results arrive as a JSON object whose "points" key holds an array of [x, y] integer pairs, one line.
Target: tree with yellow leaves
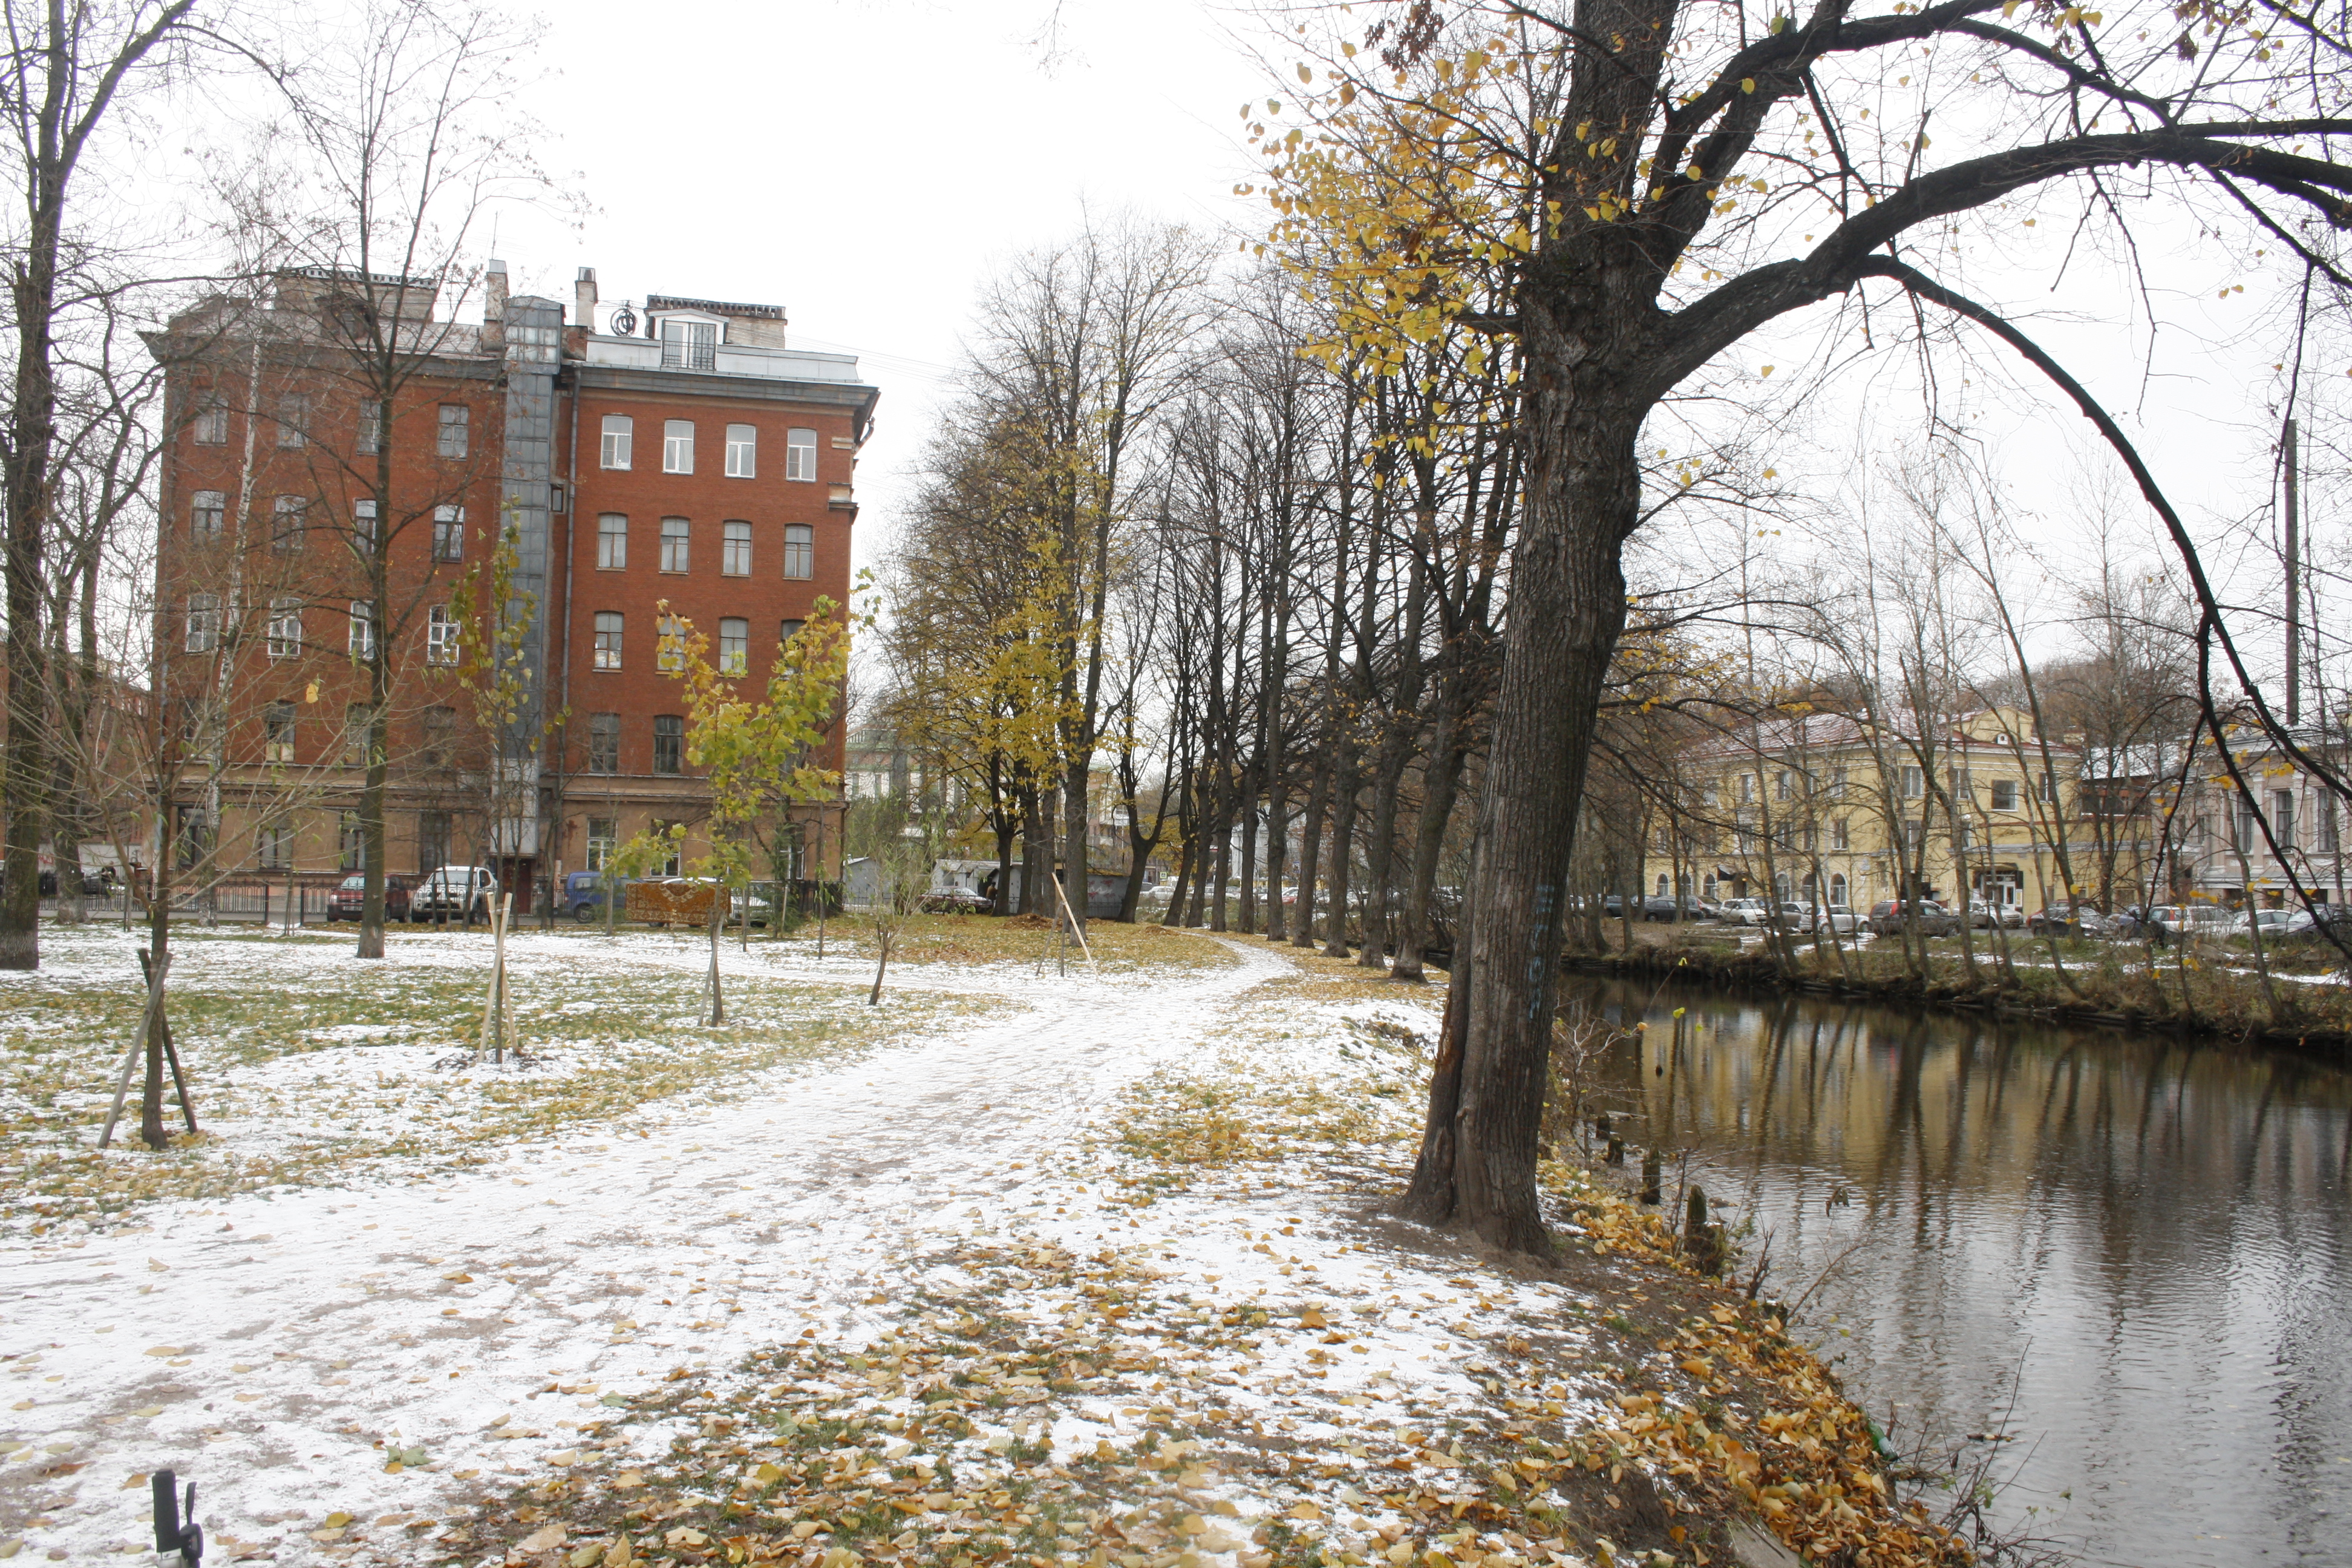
{"points": [[755, 748], [1659, 180]]}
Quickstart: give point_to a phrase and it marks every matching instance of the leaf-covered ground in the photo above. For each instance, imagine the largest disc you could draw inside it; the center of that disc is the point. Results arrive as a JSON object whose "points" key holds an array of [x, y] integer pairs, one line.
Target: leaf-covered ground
{"points": [[1095, 1273]]}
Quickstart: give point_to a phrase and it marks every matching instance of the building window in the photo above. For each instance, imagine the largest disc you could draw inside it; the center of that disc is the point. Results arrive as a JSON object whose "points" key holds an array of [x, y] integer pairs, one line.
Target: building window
{"points": [[449, 533], [2323, 825], [278, 732], [1837, 890], [742, 451], [669, 833], [2283, 817], [371, 426], [363, 643], [208, 514], [285, 628], [2049, 789], [1840, 837], [351, 843], [690, 345], [440, 724], [356, 734], [734, 646], [800, 550], [204, 621], [1913, 783], [293, 419], [432, 841], [670, 743], [1837, 783], [612, 542], [440, 635], [211, 426], [735, 550], [456, 429], [619, 431], [363, 524], [678, 446], [674, 552], [608, 639], [1782, 788], [604, 838], [788, 630], [800, 455], [273, 844], [286, 523], [604, 743], [669, 644], [2004, 794]]}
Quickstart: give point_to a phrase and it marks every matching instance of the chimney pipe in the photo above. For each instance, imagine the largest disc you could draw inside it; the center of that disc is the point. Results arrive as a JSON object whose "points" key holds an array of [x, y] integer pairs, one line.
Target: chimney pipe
{"points": [[583, 299], [494, 305]]}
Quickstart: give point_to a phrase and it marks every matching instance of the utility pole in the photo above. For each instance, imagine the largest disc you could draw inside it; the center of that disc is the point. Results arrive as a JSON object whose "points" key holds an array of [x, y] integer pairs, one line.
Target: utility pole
{"points": [[2294, 587]]}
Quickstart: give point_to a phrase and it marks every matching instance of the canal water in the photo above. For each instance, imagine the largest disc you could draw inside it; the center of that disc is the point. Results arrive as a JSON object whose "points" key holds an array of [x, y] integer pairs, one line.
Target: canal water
{"points": [[2131, 1254]]}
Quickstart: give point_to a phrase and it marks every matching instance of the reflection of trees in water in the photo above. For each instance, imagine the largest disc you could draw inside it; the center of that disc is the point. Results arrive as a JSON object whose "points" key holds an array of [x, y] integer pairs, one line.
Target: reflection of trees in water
{"points": [[2157, 1229]]}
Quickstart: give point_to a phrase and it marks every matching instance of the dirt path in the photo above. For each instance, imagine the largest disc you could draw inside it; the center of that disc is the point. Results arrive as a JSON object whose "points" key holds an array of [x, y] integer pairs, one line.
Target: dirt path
{"points": [[290, 1352]]}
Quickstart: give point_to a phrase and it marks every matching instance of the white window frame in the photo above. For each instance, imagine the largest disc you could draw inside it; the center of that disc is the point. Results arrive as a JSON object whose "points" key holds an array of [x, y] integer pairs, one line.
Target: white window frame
{"points": [[2007, 795], [440, 635], [279, 750], [612, 544], [619, 435], [204, 623], [677, 544], [448, 523], [608, 656], [217, 511], [285, 536], [293, 420], [362, 632], [364, 520], [800, 549], [800, 456], [603, 846], [669, 644], [210, 426], [616, 734], [678, 446], [462, 425], [735, 549], [285, 628], [735, 645], [742, 451]]}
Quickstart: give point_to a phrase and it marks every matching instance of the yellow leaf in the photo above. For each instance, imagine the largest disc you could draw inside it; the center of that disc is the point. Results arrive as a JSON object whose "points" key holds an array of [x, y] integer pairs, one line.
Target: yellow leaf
{"points": [[628, 1480], [1748, 84], [337, 1520], [1305, 1510], [1312, 1319]]}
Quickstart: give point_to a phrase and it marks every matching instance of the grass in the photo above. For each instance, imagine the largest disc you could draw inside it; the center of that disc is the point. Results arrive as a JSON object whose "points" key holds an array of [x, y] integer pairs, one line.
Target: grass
{"points": [[308, 1067]]}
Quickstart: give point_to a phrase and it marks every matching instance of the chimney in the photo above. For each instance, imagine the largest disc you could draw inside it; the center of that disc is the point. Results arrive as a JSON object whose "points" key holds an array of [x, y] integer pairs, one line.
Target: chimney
{"points": [[494, 305], [583, 299]]}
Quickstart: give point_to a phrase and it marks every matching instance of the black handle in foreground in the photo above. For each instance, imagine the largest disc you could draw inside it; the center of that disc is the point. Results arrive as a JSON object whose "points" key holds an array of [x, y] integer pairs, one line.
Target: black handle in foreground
{"points": [[171, 1535]]}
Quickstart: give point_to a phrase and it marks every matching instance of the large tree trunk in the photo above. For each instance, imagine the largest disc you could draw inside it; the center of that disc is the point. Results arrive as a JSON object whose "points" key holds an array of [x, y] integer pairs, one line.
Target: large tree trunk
{"points": [[1567, 607], [1310, 850], [1380, 851], [1344, 789], [1441, 777]]}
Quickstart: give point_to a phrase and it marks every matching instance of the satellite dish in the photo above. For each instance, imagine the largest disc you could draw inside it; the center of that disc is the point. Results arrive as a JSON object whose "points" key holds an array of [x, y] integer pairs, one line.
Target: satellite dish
{"points": [[624, 323]]}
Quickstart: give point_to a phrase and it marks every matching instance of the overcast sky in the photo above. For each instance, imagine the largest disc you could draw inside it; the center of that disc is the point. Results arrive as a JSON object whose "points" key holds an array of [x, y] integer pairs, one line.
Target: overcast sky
{"points": [[867, 163]]}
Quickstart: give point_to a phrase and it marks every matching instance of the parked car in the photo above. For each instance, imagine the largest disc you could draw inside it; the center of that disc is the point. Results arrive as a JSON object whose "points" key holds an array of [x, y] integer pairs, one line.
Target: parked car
{"points": [[963, 901], [2272, 923], [582, 897], [1838, 920], [351, 893], [453, 891], [1888, 916], [1984, 916], [1746, 912], [2070, 920], [758, 902], [2169, 922]]}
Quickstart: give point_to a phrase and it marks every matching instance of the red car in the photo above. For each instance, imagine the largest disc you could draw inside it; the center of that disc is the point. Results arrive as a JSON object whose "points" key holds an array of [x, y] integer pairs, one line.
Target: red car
{"points": [[343, 903]]}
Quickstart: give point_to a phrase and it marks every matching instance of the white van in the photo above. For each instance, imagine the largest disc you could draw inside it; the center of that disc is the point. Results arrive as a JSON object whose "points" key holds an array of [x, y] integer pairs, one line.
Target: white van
{"points": [[451, 890]]}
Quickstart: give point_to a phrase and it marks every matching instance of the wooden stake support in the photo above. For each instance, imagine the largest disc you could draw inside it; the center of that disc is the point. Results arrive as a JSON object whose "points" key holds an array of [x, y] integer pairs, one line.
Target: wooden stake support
{"points": [[498, 1008], [154, 973]]}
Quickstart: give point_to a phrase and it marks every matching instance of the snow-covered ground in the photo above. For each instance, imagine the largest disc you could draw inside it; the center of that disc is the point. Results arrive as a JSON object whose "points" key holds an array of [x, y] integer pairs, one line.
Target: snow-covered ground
{"points": [[368, 1350]]}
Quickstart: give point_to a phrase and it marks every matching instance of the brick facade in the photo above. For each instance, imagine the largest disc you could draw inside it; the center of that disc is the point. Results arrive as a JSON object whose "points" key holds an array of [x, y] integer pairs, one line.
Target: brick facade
{"points": [[506, 421]]}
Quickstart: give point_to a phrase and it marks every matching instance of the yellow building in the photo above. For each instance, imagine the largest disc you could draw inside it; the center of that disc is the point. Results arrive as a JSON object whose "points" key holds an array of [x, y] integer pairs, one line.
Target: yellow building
{"points": [[1833, 809]]}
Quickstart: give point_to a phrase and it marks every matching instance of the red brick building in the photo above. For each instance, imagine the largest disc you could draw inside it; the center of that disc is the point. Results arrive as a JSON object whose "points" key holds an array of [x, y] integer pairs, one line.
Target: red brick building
{"points": [[682, 454]]}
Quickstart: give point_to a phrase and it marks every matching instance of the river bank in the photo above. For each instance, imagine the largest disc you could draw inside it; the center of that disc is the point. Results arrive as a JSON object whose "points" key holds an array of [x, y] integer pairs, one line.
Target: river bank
{"points": [[2207, 991], [2112, 1269]]}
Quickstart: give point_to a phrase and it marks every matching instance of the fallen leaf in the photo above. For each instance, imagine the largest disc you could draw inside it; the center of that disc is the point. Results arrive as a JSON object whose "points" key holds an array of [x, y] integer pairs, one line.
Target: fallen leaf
{"points": [[628, 1480], [166, 1350], [1305, 1510], [336, 1520], [458, 1279], [546, 1539]]}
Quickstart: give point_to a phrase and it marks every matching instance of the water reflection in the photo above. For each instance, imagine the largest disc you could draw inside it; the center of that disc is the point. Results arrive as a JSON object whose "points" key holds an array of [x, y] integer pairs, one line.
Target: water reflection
{"points": [[2143, 1241]]}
